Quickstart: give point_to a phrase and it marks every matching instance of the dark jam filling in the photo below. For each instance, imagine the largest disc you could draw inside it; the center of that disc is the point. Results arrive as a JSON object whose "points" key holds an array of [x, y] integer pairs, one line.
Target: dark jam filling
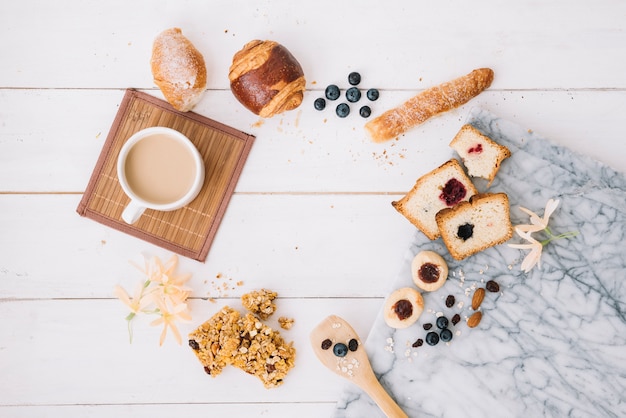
{"points": [[453, 192], [403, 309], [465, 231], [429, 273], [478, 148]]}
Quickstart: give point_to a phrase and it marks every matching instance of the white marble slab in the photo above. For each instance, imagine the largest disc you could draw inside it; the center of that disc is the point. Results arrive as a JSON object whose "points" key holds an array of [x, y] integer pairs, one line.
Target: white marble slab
{"points": [[552, 342]]}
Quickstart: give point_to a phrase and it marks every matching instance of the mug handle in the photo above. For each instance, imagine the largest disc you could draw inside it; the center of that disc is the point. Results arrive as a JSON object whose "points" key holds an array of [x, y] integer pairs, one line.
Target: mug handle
{"points": [[132, 212]]}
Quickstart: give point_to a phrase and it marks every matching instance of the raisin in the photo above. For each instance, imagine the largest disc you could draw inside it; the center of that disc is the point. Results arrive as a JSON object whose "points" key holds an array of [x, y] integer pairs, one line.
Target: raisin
{"points": [[340, 350], [465, 231], [456, 319], [429, 273], [450, 301], [427, 326], [478, 148], [353, 345], [493, 286], [194, 344], [270, 368], [326, 344], [453, 192], [207, 370], [418, 343]]}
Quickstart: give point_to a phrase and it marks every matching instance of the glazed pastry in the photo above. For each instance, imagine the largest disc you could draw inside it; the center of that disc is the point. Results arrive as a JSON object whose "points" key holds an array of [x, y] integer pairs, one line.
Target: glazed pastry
{"points": [[266, 78], [429, 103], [178, 69]]}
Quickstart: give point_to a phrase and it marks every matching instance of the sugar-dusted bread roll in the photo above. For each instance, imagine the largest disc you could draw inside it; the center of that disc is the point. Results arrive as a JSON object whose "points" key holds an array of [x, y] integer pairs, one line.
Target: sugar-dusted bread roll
{"points": [[266, 78], [178, 69], [429, 103]]}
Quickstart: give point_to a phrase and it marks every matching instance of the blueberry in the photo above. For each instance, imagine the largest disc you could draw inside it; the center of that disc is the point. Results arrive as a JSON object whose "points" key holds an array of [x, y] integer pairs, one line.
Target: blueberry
{"points": [[372, 94], [319, 103], [340, 350], [332, 92], [446, 335], [432, 338], [353, 94], [343, 110], [442, 322], [365, 111], [354, 78]]}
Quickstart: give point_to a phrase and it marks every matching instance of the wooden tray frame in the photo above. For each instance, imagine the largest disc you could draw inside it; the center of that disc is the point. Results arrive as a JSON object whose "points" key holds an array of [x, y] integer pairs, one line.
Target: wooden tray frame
{"points": [[188, 231]]}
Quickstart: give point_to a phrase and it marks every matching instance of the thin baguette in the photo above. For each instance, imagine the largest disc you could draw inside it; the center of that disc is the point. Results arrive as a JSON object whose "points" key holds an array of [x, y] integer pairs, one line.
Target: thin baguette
{"points": [[430, 102]]}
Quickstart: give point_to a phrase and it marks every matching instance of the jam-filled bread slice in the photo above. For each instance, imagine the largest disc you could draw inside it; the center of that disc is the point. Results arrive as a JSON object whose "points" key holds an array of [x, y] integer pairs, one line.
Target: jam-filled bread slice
{"points": [[476, 225], [441, 188]]}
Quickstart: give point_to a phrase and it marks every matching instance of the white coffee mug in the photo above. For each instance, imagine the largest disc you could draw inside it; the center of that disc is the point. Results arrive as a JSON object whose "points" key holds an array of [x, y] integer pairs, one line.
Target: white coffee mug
{"points": [[159, 168]]}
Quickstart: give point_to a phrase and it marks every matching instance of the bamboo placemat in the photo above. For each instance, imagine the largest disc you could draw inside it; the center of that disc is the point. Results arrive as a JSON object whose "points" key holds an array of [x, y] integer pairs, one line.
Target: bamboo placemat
{"points": [[188, 231]]}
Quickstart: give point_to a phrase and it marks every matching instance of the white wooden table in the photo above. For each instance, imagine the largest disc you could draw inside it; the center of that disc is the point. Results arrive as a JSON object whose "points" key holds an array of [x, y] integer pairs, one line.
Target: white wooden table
{"points": [[311, 216]]}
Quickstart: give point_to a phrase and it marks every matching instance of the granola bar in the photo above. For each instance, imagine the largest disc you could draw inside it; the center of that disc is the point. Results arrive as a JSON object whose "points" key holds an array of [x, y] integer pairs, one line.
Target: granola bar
{"points": [[244, 342], [260, 302]]}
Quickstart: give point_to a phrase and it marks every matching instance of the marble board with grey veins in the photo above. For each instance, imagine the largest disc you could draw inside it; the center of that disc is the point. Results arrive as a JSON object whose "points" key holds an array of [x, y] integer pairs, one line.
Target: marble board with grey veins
{"points": [[552, 342]]}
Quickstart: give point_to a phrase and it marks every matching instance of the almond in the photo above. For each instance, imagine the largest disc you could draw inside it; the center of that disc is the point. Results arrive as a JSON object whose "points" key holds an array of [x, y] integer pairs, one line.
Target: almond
{"points": [[474, 320], [478, 297]]}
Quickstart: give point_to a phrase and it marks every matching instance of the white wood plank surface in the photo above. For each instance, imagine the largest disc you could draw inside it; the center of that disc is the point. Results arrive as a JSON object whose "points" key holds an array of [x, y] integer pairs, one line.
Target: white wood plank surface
{"points": [[311, 217]]}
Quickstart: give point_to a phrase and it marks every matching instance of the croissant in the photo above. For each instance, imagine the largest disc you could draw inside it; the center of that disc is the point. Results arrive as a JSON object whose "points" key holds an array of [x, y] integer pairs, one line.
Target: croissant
{"points": [[178, 69], [266, 78]]}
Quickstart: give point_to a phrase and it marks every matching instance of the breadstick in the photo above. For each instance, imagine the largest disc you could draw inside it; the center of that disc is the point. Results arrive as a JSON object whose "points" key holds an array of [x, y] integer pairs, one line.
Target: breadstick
{"points": [[428, 103]]}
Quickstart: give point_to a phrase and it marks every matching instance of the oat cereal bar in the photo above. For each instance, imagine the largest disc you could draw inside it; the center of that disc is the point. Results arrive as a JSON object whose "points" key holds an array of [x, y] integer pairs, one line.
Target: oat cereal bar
{"points": [[246, 343], [260, 302]]}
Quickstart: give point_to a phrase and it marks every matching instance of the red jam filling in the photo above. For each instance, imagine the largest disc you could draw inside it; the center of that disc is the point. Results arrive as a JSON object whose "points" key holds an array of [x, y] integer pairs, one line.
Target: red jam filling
{"points": [[478, 148], [429, 273], [403, 309], [453, 192]]}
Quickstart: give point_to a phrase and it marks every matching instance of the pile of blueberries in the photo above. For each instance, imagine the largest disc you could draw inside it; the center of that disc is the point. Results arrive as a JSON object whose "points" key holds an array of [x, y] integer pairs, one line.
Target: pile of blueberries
{"points": [[353, 95], [444, 334]]}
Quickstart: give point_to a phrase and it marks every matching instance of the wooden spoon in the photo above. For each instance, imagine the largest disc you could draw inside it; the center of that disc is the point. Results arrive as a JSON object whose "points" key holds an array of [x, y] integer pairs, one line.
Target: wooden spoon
{"points": [[339, 348]]}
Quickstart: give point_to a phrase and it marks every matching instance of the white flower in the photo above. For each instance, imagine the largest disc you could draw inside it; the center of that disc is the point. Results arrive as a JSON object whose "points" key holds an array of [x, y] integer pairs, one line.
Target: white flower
{"points": [[162, 293], [535, 247], [536, 223]]}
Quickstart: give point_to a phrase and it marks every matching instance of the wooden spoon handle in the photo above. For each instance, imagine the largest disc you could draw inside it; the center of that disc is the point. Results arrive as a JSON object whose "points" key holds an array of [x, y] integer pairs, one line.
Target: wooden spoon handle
{"points": [[385, 402]]}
